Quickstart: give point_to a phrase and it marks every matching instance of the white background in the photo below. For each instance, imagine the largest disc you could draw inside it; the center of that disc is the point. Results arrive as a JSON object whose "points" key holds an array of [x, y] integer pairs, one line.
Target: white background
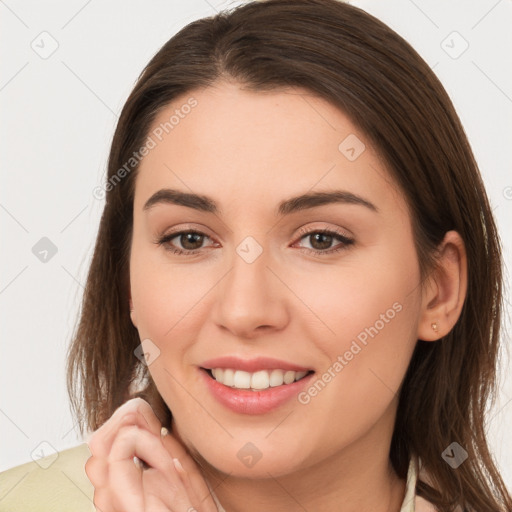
{"points": [[58, 117]]}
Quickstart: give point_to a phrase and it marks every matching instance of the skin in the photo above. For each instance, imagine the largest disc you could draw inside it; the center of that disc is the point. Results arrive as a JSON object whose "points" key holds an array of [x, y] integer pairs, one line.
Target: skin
{"points": [[249, 151]]}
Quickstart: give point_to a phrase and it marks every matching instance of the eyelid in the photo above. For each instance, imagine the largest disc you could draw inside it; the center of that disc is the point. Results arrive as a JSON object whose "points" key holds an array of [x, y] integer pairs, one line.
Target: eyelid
{"points": [[203, 230], [336, 232], [166, 237], [302, 232], [345, 241], [332, 229]]}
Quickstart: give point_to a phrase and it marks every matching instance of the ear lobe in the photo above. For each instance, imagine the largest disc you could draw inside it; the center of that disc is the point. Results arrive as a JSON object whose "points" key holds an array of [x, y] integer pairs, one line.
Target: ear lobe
{"points": [[445, 290]]}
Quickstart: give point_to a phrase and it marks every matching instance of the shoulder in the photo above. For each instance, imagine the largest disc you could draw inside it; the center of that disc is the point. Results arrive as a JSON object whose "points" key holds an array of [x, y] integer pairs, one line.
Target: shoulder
{"points": [[57, 482]]}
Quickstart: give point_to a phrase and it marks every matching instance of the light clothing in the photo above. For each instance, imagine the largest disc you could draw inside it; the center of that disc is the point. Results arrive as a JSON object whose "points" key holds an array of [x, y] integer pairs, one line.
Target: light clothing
{"points": [[63, 485], [412, 502]]}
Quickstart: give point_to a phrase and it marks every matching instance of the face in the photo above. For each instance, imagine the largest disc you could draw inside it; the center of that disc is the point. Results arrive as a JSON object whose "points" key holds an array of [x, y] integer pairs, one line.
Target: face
{"points": [[260, 288]]}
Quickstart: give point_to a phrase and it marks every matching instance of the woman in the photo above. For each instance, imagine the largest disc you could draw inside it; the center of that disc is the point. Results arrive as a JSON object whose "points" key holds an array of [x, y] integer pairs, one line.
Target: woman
{"points": [[297, 275]]}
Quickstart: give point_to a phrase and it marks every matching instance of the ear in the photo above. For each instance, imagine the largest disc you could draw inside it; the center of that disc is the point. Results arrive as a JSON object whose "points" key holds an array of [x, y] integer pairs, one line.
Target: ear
{"points": [[444, 290], [132, 313]]}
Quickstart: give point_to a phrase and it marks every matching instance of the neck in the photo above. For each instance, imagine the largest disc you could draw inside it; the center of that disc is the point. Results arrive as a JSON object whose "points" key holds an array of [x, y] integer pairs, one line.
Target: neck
{"points": [[358, 477]]}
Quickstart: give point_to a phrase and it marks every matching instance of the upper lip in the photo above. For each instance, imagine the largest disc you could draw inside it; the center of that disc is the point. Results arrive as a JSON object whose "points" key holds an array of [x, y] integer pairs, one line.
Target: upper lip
{"points": [[251, 365]]}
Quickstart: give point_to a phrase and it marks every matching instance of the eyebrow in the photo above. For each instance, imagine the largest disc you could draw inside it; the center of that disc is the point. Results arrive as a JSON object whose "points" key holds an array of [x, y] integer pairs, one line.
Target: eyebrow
{"points": [[294, 204]]}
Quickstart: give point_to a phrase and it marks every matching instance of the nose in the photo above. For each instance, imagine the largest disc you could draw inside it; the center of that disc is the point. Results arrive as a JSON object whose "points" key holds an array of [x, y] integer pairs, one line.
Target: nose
{"points": [[252, 298]]}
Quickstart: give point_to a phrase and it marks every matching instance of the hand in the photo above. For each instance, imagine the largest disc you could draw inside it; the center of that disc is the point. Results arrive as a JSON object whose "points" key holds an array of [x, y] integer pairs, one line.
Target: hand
{"points": [[122, 486]]}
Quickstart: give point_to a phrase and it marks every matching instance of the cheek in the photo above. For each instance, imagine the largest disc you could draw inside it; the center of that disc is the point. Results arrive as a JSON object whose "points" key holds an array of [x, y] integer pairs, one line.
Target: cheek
{"points": [[370, 314], [372, 294], [168, 298]]}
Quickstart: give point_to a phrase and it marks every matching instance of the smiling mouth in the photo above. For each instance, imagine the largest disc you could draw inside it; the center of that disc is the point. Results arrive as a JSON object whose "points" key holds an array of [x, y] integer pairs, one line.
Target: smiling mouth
{"points": [[255, 381]]}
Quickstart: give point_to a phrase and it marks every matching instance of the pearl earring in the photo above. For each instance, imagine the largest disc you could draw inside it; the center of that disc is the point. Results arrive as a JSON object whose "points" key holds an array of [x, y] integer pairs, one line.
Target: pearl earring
{"points": [[435, 326]]}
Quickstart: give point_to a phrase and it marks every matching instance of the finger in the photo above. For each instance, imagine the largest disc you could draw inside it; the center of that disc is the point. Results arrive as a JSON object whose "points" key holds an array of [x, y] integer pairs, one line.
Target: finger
{"points": [[195, 485], [135, 411], [102, 501], [132, 412], [192, 487], [133, 441], [125, 479], [192, 471], [177, 449], [96, 471], [162, 495]]}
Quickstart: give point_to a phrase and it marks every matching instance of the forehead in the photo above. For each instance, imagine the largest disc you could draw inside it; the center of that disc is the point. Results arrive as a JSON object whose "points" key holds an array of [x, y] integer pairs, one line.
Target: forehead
{"points": [[228, 115], [241, 145]]}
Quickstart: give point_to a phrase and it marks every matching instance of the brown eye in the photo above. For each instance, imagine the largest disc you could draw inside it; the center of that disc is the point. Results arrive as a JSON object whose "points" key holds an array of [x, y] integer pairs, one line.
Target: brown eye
{"points": [[185, 242], [190, 241], [321, 241]]}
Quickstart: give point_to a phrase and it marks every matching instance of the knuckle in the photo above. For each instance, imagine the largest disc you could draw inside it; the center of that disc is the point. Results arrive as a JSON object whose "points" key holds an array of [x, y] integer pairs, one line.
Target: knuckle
{"points": [[138, 411], [129, 405], [133, 407], [88, 467], [136, 403], [130, 417], [126, 433], [92, 470], [142, 407], [136, 400]]}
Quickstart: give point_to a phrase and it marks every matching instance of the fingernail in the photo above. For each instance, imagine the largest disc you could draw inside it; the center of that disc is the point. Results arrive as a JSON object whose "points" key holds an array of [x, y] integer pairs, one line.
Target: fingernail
{"points": [[178, 466], [163, 431]]}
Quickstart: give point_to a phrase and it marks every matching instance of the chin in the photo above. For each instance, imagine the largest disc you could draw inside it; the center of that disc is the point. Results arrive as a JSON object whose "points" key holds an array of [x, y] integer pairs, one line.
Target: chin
{"points": [[246, 460]]}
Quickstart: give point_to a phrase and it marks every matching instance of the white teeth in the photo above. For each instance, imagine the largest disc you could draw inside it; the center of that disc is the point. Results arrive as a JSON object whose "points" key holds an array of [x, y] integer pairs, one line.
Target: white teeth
{"points": [[242, 380], [289, 377], [276, 378], [229, 377], [262, 379]]}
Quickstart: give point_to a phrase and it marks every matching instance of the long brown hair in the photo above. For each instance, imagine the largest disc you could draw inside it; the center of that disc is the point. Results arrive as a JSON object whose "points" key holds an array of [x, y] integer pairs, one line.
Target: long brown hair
{"points": [[357, 63]]}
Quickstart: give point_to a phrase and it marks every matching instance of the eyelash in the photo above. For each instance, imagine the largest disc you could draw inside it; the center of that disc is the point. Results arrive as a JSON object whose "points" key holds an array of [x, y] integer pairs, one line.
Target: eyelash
{"points": [[162, 241]]}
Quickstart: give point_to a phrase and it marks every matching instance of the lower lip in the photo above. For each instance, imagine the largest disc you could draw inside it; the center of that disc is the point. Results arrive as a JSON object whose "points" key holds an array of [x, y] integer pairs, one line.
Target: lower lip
{"points": [[254, 402]]}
